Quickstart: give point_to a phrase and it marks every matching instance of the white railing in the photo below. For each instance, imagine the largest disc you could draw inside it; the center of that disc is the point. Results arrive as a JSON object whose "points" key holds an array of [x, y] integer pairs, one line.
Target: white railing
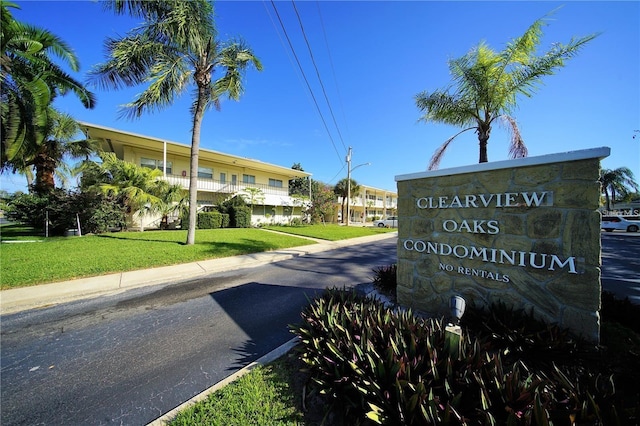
{"points": [[212, 185], [380, 204]]}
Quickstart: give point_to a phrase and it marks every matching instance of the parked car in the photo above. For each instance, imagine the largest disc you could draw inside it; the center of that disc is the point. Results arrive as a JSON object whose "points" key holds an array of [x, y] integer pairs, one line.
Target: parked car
{"points": [[390, 222], [610, 223]]}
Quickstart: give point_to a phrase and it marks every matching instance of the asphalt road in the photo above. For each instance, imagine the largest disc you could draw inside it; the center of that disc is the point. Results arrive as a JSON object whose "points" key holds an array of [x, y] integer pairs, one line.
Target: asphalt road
{"points": [[128, 359], [621, 264]]}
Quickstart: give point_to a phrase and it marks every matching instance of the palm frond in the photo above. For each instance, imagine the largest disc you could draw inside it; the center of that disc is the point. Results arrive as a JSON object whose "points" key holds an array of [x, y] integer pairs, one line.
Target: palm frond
{"points": [[526, 79], [441, 107], [486, 84], [131, 59], [169, 77], [517, 148], [434, 163]]}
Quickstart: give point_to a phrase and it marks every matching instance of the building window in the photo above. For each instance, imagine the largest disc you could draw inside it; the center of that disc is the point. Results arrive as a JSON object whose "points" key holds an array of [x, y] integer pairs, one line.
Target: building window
{"points": [[277, 183], [223, 178], [205, 172], [155, 164], [371, 197], [248, 179]]}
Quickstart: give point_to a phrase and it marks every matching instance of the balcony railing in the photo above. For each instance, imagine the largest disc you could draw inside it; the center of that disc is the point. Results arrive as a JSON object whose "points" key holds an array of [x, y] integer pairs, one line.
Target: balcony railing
{"points": [[359, 202], [212, 185]]}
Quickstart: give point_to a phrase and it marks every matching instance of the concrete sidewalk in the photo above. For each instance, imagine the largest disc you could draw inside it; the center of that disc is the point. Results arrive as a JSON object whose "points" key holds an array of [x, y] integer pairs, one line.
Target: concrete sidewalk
{"points": [[44, 295]]}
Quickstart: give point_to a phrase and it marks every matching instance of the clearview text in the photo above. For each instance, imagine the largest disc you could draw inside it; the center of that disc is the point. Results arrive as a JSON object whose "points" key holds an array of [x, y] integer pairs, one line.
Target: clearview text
{"points": [[506, 199]]}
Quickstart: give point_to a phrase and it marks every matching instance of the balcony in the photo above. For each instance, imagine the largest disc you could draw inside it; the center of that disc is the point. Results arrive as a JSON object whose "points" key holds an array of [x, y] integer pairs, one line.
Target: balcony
{"points": [[270, 195], [372, 204]]}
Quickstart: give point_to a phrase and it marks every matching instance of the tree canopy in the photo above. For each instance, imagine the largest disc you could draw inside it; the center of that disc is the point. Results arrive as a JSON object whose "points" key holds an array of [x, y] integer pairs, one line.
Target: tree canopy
{"points": [[486, 86], [616, 183], [30, 80], [174, 48]]}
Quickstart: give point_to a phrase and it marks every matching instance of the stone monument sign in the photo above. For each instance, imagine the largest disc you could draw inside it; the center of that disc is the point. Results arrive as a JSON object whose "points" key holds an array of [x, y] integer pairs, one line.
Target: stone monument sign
{"points": [[524, 232]]}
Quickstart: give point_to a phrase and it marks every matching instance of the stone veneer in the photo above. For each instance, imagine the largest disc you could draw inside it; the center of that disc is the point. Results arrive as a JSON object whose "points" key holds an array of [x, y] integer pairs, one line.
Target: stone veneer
{"points": [[441, 250]]}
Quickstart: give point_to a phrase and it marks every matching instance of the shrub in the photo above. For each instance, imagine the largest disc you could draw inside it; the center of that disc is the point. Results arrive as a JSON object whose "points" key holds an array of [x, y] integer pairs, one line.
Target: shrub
{"points": [[296, 221], [101, 214], [385, 279], [240, 217], [96, 212], [620, 310], [36, 210], [389, 367], [225, 220], [209, 220]]}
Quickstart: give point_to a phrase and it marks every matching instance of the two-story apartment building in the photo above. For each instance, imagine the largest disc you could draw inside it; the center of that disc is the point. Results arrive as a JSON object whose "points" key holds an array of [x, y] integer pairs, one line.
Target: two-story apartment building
{"points": [[220, 176], [370, 204]]}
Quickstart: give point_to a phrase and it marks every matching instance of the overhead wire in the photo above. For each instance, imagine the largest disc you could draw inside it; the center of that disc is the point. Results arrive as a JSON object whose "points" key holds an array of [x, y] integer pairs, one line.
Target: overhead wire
{"points": [[284, 46], [333, 71], [315, 66], [337, 174], [306, 80]]}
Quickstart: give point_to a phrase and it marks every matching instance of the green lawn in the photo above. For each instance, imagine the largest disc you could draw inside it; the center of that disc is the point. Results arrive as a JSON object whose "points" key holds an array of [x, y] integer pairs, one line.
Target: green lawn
{"points": [[61, 258], [39, 260], [268, 395], [331, 232]]}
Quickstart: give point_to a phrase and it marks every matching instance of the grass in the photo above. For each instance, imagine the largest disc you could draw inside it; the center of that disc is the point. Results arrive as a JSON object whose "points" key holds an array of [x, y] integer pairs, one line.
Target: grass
{"points": [[268, 395], [330, 232], [45, 260]]}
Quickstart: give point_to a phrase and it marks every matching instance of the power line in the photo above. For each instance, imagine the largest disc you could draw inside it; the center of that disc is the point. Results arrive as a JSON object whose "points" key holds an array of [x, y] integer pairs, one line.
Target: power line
{"points": [[337, 174], [304, 34], [306, 80], [333, 71]]}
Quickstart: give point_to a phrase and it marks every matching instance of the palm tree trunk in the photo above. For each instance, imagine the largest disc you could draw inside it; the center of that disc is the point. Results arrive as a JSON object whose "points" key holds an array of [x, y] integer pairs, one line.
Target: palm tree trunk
{"points": [[483, 138], [613, 198], [45, 167], [193, 172]]}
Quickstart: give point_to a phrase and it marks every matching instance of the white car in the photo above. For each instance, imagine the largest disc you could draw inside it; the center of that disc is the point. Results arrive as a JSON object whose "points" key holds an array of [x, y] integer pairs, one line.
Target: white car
{"points": [[610, 223], [390, 222]]}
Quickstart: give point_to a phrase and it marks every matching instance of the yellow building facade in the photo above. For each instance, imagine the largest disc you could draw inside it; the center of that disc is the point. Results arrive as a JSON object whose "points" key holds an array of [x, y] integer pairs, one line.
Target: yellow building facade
{"points": [[221, 176], [368, 205]]}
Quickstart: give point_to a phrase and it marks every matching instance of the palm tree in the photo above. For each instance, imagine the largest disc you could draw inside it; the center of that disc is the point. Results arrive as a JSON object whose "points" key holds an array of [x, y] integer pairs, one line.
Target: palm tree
{"points": [[175, 45], [30, 81], [618, 181], [486, 85], [341, 190], [172, 199], [142, 190], [59, 144]]}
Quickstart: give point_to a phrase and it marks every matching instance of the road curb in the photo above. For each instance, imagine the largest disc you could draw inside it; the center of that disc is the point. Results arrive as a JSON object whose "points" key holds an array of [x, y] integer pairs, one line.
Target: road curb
{"points": [[265, 359]]}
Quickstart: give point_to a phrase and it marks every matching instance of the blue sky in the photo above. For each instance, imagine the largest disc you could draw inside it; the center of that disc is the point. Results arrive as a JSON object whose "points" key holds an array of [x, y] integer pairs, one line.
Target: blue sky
{"points": [[373, 57]]}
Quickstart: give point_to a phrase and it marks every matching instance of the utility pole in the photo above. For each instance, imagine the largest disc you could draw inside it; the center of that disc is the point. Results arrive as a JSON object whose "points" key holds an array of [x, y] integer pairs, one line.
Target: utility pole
{"points": [[348, 185]]}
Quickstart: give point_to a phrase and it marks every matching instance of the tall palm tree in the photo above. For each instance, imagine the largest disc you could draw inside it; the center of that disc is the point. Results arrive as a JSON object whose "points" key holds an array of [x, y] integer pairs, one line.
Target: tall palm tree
{"points": [[618, 181], [30, 80], [174, 47], [486, 85], [341, 190]]}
